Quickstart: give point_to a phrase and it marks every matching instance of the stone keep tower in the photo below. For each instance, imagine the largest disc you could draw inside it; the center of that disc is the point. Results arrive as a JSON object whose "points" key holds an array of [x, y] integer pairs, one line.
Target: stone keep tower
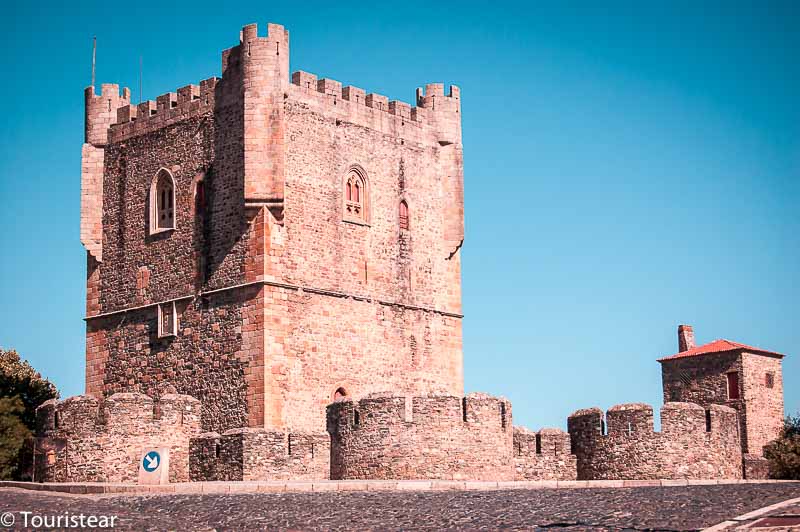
{"points": [[266, 242], [727, 373]]}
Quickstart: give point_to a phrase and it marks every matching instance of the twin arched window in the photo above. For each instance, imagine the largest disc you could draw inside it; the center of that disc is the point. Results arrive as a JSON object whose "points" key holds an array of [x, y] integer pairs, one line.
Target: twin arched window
{"points": [[356, 197], [162, 202]]}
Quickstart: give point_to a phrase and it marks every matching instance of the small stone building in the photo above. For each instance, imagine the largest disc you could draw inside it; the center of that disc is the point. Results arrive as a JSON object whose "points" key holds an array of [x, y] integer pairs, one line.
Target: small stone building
{"points": [[745, 378]]}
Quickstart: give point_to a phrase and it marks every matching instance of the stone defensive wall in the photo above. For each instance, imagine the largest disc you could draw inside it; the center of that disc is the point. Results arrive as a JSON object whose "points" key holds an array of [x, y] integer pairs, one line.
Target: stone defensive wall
{"points": [[385, 436], [434, 107], [252, 58], [694, 443], [349, 103], [83, 439], [258, 454], [189, 101], [543, 455]]}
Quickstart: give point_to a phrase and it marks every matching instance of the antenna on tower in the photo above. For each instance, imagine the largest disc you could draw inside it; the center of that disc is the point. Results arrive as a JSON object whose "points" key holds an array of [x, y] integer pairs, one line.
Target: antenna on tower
{"points": [[94, 56], [140, 79]]}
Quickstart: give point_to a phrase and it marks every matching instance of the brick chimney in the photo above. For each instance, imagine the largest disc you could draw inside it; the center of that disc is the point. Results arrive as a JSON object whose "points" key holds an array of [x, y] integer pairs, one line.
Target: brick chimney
{"points": [[685, 338]]}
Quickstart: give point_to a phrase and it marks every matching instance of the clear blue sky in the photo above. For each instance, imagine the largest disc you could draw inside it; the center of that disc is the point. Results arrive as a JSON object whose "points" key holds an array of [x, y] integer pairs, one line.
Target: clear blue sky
{"points": [[628, 168]]}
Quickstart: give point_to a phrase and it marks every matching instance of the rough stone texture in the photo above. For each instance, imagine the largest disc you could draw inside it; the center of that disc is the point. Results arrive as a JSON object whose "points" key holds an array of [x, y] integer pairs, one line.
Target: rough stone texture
{"points": [[280, 301], [694, 443], [385, 436], [702, 380], [609, 509], [755, 467], [259, 454], [543, 455], [82, 439]]}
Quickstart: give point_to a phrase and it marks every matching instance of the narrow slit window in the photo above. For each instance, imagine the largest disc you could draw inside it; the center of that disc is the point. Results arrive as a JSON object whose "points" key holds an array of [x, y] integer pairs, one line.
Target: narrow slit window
{"points": [[403, 214], [200, 197], [167, 320], [733, 385], [769, 380]]}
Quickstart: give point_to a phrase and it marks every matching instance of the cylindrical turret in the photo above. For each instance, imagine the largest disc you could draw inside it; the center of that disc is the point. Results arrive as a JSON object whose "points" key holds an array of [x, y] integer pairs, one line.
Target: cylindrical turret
{"points": [[101, 111]]}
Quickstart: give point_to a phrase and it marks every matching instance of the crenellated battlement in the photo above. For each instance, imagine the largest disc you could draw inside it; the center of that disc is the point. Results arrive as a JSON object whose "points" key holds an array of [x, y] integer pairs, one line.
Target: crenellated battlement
{"points": [[101, 111], [335, 93], [255, 63], [637, 418], [259, 454], [543, 455], [101, 440], [693, 442], [434, 115], [385, 436], [386, 408], [189, 101], [86, 415]]}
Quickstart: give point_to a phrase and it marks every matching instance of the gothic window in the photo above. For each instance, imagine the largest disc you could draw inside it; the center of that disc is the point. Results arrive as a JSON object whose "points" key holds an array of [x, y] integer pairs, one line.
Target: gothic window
{"points": [[356, 196], [162, 202], [167, 319], [733, 385], [403, 215]]}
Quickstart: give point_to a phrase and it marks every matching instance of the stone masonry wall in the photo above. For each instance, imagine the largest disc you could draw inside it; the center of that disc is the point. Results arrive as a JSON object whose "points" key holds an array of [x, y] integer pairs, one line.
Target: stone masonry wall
{"points": [[82, 439], [703, 380], [259, 454], [694, 443], [280, 301], [385, 436], [543, 455], [763, 404], [207, 359]]}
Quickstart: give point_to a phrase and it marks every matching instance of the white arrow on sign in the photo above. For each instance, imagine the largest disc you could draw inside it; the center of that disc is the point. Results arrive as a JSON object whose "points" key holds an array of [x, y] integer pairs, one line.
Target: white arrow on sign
{"points": [[152, 461]]}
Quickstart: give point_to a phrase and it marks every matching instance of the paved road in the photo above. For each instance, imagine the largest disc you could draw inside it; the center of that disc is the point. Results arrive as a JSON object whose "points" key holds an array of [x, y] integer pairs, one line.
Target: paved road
{"points": [[663, 508]]}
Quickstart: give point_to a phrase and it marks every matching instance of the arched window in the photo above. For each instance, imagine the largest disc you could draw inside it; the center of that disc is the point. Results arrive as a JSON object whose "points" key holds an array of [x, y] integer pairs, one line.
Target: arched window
{"points": [[356, 196], [162, 202], [403, 215], [340, 393]]}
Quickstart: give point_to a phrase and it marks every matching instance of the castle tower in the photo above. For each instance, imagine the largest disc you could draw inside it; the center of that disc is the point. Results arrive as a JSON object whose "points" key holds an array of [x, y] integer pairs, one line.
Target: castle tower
{"points": [[266, 242], [727, 373]]}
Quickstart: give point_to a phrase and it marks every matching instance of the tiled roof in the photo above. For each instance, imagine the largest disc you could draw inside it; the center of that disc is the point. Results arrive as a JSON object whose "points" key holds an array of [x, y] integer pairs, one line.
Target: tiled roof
{"points": [[719, 346]]}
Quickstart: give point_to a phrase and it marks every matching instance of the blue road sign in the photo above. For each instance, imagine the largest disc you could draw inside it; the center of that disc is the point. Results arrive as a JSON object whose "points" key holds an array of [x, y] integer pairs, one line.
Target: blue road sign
{"points": [[151, 461]]}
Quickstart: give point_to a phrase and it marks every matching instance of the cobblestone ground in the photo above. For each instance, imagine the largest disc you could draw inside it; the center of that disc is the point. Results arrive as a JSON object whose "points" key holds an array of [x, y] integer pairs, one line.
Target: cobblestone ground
{"points": [[664, 508], [781, 519]]}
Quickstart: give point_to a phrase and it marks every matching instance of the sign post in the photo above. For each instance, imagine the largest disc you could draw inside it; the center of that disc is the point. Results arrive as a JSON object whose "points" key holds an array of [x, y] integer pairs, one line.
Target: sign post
{"points": [[154, 466]]}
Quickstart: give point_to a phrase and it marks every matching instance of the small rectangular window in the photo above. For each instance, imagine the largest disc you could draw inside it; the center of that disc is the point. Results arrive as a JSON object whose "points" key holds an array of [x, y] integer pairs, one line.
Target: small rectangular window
{"points": [[167, 320], [769, 380], [733, 385]]}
